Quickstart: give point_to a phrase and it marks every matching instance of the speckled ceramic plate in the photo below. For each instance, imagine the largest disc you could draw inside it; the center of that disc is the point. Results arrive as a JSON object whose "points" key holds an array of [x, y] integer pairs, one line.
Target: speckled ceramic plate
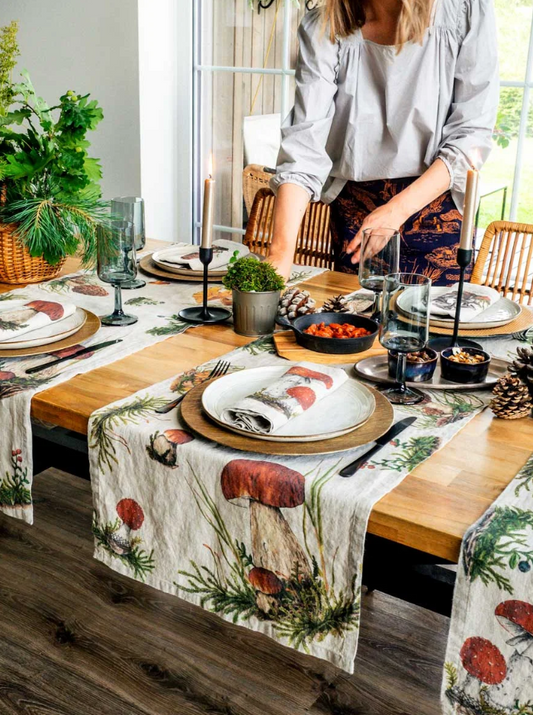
{"points": [[322, 421]]}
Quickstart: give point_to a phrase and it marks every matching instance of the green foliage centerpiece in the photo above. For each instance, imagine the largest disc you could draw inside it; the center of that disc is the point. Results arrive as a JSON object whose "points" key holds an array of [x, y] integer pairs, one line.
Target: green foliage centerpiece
{"points": [[256, 287], [51, 198]]}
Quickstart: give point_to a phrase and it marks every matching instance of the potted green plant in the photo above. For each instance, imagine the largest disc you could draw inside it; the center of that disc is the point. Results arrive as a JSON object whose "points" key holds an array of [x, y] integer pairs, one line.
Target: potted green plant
{"points": [[256, 287], [50, 194]]}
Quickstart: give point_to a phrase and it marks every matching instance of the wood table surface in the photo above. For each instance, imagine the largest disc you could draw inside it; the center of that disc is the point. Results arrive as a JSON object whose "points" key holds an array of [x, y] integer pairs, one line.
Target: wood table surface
{"points": [[430, 510]]}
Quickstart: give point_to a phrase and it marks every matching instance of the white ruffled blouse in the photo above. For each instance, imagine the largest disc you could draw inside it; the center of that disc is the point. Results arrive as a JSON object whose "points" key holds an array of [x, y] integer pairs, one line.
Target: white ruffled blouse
{"points": [[363, 112]]}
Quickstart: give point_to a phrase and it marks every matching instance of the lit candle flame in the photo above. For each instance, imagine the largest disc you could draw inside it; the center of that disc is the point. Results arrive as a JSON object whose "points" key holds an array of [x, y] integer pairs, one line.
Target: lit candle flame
{"points": [[211, 166]]}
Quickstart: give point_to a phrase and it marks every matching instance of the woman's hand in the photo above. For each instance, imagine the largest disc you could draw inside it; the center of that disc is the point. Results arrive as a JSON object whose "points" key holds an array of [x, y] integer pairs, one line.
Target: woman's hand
{"points": [[390, 215]]}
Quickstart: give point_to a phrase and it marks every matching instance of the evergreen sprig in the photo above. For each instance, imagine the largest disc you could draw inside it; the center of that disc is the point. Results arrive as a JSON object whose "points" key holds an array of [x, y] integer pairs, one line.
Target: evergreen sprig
{"points": [[9, 51]]}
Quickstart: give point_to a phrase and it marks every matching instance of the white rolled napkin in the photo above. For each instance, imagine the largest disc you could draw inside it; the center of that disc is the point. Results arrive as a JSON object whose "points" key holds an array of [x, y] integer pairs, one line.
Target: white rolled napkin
{"points": [[296, 391], [188, 256], [23, 318], [476, 299]]}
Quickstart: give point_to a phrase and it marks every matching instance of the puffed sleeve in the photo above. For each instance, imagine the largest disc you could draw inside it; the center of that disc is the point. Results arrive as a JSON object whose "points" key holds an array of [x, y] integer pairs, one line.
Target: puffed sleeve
{"points": [[467, 135], [303, 159]]}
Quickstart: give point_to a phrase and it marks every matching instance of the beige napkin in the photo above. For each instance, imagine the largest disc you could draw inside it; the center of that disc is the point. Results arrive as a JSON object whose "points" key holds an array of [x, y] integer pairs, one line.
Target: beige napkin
{"points": [[24, 318], [297, 390], [188, 256]]}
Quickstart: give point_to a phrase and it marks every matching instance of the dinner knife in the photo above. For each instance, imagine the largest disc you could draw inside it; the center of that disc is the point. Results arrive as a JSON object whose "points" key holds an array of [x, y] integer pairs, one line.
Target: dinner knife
{"points": [[381, 442], [78, 353]]}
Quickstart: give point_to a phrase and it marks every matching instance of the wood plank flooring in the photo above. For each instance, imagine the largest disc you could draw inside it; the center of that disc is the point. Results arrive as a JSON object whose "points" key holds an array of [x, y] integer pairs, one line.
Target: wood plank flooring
{"points": [[78, 639]]}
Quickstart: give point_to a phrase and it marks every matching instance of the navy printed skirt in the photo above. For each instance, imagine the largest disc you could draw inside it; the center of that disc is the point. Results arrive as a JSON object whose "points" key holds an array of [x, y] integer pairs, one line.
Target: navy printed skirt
{"points": [[429, 239]]}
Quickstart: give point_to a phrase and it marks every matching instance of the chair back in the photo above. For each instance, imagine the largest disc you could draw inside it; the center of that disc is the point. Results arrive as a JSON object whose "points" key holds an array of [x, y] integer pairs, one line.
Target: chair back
{"points": [[313, 245], [505, 260], [254, 177]]}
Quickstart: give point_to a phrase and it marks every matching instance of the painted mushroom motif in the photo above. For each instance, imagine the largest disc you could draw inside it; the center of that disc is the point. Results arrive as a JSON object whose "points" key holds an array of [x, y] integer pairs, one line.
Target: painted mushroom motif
{"points": [[483, 661], [311, 375], [164, 447], [267, 586], [20, 316], [305, 396], [132, 516], [516, 617], [267, 487]]}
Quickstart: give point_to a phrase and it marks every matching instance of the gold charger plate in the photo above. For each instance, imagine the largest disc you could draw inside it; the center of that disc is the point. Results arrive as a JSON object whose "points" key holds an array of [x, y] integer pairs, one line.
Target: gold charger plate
{"points": [[199, 422], [88, 329], [522, 322], [149, 266]]}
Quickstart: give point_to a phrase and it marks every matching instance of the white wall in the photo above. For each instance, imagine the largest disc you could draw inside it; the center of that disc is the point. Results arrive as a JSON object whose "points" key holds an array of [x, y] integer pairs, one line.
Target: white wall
{"points": [[88, 46], [165, 57]]}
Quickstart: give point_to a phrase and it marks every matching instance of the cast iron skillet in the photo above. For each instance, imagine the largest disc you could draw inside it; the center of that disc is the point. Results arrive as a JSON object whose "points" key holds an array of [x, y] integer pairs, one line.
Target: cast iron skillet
{"points": [[339, 346]]}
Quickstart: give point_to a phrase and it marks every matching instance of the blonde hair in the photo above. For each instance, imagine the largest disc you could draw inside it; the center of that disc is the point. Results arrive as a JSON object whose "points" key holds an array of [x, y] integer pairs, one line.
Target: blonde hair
{"points": [[343, 17]]}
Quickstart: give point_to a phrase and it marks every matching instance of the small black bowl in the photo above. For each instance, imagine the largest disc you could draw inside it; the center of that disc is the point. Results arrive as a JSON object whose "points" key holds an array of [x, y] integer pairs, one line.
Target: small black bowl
{"points": [[333, 346], [414, 371], [464, 372]]}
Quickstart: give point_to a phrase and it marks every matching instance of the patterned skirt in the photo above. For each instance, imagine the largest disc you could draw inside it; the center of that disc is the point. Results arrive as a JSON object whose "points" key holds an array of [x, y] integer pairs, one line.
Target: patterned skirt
{"points": [[429, 239]]}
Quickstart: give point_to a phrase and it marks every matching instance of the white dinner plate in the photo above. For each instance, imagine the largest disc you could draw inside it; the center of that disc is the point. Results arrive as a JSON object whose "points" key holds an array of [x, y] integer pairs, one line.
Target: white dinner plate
{"points": [[158, 257], [349, 407], [51, 333], [502, 312]]}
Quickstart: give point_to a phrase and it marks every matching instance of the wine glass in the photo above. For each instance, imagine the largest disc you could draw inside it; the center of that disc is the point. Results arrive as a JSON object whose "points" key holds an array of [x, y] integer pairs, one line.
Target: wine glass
{"points": [[404, 333], [116, 264], [380, 256], [131, 208]]}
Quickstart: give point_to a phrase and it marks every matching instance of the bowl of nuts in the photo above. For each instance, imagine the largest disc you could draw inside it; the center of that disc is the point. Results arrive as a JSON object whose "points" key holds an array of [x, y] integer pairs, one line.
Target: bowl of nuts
{"points": [[465, 365], [419, 367]]}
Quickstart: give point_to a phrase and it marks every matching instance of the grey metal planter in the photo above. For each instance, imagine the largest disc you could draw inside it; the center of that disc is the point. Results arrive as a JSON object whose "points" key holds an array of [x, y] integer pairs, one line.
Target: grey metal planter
{"points": [[255, 313]]}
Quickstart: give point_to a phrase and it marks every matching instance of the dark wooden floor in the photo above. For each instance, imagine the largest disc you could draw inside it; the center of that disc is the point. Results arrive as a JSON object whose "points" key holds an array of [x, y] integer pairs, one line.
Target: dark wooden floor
{"points": [[78, 639]]}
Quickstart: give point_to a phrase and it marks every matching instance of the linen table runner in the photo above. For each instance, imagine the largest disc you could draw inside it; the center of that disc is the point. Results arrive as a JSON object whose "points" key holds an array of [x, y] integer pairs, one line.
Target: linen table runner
{"points": [[271, 543], [157, 307], [489, 661]]}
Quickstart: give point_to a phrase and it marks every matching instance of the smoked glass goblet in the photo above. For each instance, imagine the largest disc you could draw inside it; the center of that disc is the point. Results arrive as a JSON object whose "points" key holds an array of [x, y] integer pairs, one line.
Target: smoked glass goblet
{"points": [[380, 255], [116, 264], [404, 327], [131, 208]]}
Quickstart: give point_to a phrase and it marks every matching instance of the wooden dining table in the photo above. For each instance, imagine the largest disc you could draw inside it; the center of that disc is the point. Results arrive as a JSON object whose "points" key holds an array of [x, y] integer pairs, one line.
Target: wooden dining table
{"points": [[429, 511]]}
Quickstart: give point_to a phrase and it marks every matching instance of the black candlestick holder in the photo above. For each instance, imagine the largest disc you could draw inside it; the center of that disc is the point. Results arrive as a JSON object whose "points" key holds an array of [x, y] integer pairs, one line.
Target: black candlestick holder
{"points": [[464, 258], [205, 313]]}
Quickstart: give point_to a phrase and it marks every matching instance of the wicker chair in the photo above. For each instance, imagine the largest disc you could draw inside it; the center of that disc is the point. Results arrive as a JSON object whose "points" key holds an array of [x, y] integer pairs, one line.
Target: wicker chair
{"points": [[313, 246], [505, 260], [254, 177]]}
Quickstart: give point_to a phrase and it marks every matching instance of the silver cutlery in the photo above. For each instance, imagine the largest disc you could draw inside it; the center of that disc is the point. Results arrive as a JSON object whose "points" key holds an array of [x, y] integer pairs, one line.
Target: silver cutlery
{"points": [[78, 353], [394, 431], [221, 368]]}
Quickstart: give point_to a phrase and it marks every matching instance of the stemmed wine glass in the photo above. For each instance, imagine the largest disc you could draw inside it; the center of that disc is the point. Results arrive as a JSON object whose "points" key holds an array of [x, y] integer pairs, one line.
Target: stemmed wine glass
{"points": [[380, 256], [401, 333], [116, 264], [131, 208]]}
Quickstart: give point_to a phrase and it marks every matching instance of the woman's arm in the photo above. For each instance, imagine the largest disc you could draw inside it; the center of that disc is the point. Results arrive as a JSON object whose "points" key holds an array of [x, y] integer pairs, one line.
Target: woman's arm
{"points": [[433, 182], [303, 162], [291, 204]]}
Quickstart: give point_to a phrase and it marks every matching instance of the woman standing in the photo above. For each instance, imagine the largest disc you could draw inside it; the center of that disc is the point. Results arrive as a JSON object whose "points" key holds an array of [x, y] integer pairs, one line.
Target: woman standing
{"points": [[395, 100]]}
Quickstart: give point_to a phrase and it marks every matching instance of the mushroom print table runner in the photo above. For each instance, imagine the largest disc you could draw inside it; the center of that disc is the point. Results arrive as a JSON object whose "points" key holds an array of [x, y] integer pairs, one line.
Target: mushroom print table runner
{"points": [[489, 663], [271, 543], [157, 307]]}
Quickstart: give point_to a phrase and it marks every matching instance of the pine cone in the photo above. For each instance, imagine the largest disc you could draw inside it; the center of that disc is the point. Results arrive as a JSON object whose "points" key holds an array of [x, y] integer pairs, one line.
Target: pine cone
{"points": [[522, 367], [511, 398], [295, 302], [337, 304]]}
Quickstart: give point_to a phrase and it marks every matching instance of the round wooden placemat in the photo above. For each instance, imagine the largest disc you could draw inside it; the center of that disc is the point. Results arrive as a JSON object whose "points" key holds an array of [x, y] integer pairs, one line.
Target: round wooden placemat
{"points": [[148, 266], [199, 422], [89, 328], [522, 322]]}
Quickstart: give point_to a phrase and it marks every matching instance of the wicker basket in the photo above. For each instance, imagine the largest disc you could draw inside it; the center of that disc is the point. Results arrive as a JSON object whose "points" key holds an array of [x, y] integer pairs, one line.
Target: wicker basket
{"points": [[16, 264]]}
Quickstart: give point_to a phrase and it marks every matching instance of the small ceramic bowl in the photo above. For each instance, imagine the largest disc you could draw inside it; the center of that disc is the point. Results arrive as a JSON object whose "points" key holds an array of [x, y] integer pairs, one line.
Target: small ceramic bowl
{"points": [[415, 371], [465, 373]]}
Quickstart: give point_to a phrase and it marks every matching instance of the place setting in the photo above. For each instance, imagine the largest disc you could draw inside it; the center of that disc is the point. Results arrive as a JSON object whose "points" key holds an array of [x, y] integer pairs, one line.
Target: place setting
{"points": [[287, 410]]}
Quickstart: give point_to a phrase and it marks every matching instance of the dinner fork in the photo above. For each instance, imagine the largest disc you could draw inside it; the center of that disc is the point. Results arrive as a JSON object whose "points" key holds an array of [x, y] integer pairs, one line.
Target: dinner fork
{"points": [[221, 368]]}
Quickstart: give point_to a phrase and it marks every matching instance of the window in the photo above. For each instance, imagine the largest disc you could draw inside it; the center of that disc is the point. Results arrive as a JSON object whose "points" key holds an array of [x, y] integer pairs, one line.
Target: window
{"points": [[244, 62]]}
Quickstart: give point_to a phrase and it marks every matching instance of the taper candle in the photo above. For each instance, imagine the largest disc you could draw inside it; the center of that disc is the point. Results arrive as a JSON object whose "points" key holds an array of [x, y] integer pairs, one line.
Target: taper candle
{"points": [[209, 205], [470, 208]]}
